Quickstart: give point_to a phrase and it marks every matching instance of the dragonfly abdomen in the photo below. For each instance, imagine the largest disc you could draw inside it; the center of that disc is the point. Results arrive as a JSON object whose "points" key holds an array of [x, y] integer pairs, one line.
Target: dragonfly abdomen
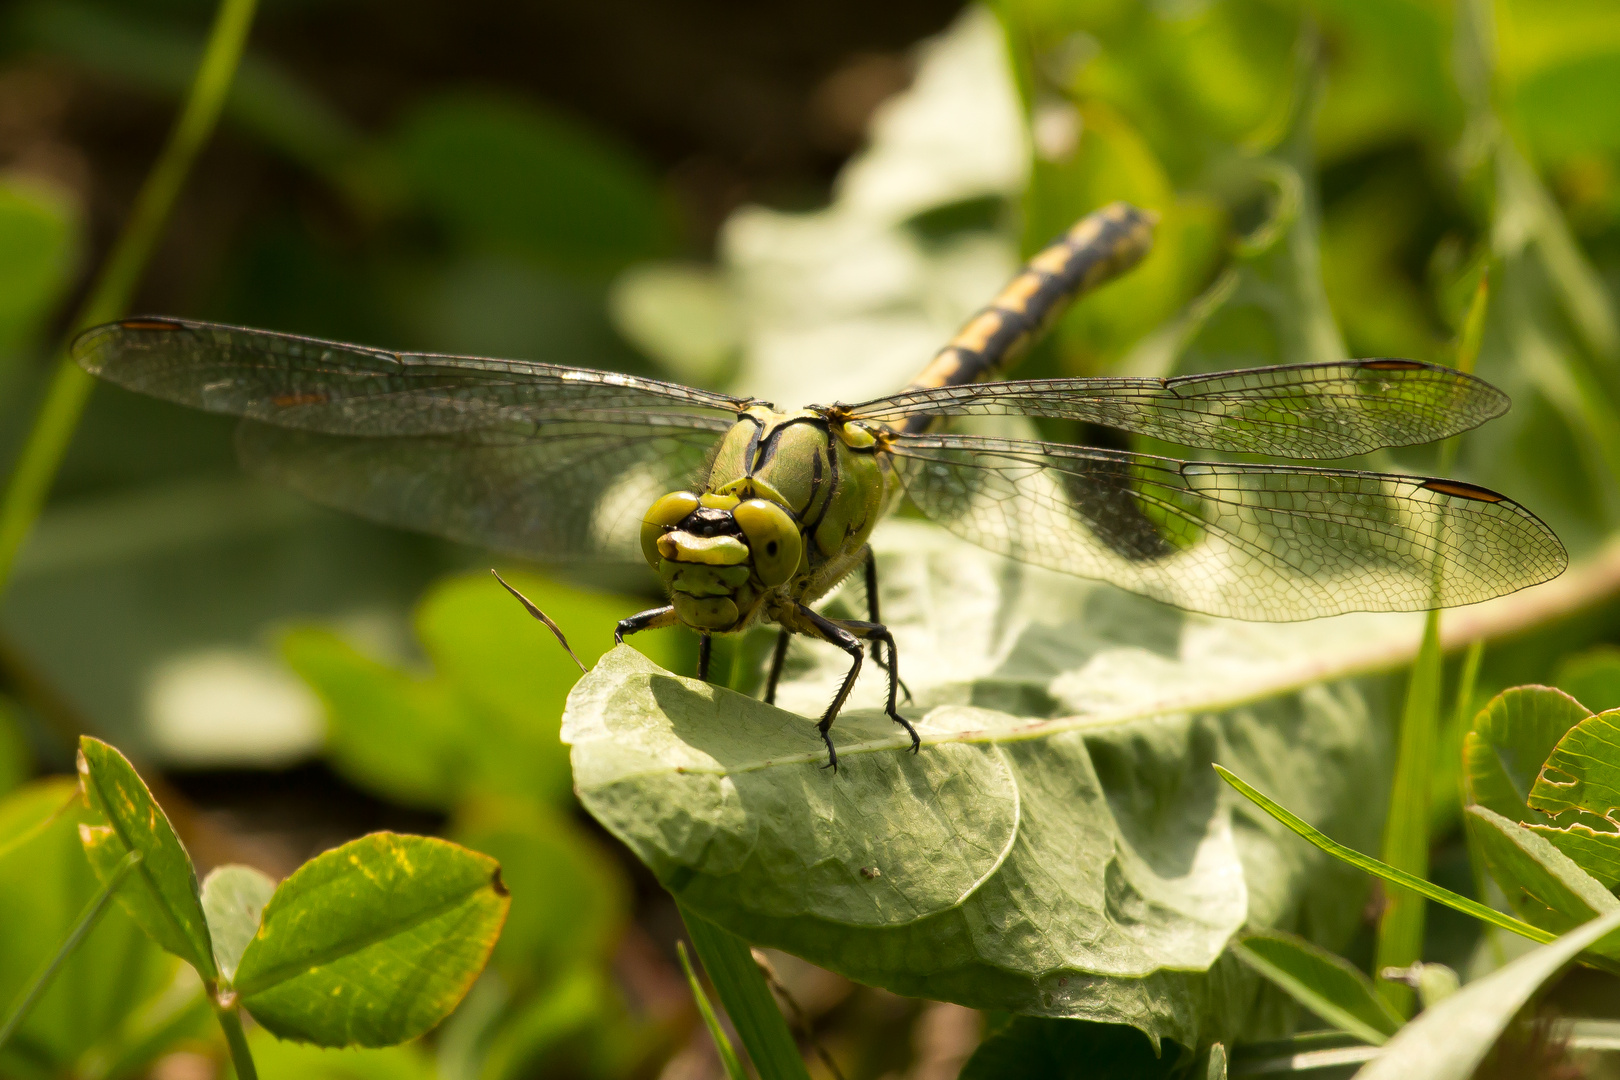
{"points": [[1100, 246]]}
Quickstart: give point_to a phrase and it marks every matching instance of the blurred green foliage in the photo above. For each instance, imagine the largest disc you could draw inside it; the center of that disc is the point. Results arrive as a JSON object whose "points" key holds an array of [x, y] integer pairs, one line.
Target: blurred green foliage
{"points": [[1333, 177]]}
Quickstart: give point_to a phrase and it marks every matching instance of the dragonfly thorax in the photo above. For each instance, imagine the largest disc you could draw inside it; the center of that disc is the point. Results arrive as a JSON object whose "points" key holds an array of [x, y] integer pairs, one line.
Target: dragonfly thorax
{"points": [[789, 503]]}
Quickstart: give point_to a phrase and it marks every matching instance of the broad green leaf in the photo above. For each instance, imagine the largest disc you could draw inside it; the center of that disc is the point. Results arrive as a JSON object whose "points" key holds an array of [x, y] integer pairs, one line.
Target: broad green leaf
{"points": [[1511, 739], [1328, 985], [119, 999], [1448, 1041], [1069, 1050], [713, 791], [1543, 884], [569, 899], [280, 1059], [1582, 773], [374, 942], [1592, 678], [1068, 731], [233, 898], [161, 894]]}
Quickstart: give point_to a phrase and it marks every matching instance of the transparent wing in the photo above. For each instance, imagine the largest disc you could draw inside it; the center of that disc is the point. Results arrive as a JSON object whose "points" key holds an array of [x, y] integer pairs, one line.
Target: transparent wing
{"points": [[1264, 542], [1296, 411], [339, 389], [576, 491]]}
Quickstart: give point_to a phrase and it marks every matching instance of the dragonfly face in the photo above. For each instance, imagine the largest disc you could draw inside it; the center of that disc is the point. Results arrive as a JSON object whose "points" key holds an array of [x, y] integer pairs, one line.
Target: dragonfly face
{"points": [[767, 511], [788, 505]]}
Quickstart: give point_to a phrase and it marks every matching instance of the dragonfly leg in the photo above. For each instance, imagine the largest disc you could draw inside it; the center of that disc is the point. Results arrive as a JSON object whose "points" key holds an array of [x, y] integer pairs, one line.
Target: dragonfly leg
{"points": [[822, 628], [777, 659], [877, 620], [651, 619], [878, 634], [705, 649]]}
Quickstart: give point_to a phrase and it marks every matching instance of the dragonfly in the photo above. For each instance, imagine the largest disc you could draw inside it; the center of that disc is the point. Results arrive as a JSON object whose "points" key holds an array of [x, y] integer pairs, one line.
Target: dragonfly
{"points": [[750, 514]]}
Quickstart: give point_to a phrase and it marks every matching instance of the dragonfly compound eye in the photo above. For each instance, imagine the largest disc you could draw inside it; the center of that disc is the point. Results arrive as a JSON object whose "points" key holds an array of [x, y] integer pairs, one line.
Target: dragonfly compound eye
{"points": [[773, 538], [663, 516]]}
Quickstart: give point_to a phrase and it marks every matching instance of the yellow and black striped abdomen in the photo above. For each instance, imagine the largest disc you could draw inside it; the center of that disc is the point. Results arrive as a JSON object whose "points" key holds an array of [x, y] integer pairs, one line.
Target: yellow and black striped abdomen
{"points": [[1101, 245]]}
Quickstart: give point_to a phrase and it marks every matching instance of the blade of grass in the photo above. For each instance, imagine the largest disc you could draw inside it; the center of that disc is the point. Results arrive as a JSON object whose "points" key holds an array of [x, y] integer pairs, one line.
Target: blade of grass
{"points": [[110, 294], [1391, 874], [81, 929], [1406, 832], [728, 1053], [747, 999]]}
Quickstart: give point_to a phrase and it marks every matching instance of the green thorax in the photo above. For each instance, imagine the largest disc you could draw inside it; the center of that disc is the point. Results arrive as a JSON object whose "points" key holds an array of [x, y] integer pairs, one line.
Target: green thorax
{"points": [[829, 475]]}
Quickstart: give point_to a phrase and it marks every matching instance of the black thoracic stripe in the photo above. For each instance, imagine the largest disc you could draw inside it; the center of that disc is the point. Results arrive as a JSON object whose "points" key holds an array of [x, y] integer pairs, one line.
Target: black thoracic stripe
{"points": [[753, 446], [815, 486], [832, 486], [1100, 246], [772, 444]]}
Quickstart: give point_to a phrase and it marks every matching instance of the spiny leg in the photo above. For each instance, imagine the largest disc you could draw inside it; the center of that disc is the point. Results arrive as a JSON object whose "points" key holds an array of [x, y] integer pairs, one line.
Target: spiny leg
{"points": [[651, 619], [705, 649], [877, 620], [822, 628], [878, 633], [778, 657]]}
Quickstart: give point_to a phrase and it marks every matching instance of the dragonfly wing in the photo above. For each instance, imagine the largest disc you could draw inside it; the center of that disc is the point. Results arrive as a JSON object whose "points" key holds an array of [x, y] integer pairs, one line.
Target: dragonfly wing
{"points": [[1295, 411], [1264, 542], [340, 389], [578, 491]]}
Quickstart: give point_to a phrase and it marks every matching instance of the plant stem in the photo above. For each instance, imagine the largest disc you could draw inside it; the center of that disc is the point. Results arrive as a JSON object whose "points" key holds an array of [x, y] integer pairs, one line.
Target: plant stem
{"points": [[110, 294], [747, 999], [81, 929], [230, 1019], [1406, 835]]}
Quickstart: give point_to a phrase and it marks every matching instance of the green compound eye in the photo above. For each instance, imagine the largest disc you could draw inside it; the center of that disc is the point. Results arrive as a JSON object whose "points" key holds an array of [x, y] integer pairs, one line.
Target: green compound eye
{"points": [[664, 515], [773, 537]]}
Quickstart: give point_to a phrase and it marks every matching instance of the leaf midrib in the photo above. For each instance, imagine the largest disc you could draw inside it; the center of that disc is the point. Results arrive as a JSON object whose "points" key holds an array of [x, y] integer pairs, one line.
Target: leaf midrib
{"points": [[144, 869], [1587, 585], [272, 977]]}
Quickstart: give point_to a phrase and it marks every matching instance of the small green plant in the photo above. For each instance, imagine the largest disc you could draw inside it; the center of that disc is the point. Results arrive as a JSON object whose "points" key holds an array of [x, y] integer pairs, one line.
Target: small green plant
{"points": [[1541, 774], [369, 944]]}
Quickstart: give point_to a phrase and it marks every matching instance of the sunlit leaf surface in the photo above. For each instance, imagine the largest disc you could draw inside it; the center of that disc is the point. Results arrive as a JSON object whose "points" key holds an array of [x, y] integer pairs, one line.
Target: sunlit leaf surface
{"points": [[374, 942], [1544, 885], [233, 897], [161, 893], [1060, 846], [1514, 741]]}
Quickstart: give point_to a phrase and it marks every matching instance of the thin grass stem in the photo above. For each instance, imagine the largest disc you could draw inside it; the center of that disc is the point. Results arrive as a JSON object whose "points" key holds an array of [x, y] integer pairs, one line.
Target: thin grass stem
{"points": [[87, 922], [115, 284]]}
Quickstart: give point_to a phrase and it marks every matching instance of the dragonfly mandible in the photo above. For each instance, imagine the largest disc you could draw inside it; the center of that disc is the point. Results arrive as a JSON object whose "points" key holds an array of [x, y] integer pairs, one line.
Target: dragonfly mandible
{"points": [[750, 514]]}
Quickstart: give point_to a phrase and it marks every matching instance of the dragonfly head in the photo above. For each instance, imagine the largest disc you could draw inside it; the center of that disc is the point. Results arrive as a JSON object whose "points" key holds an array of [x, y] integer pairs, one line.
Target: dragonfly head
{"points": [[720, 554]]}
